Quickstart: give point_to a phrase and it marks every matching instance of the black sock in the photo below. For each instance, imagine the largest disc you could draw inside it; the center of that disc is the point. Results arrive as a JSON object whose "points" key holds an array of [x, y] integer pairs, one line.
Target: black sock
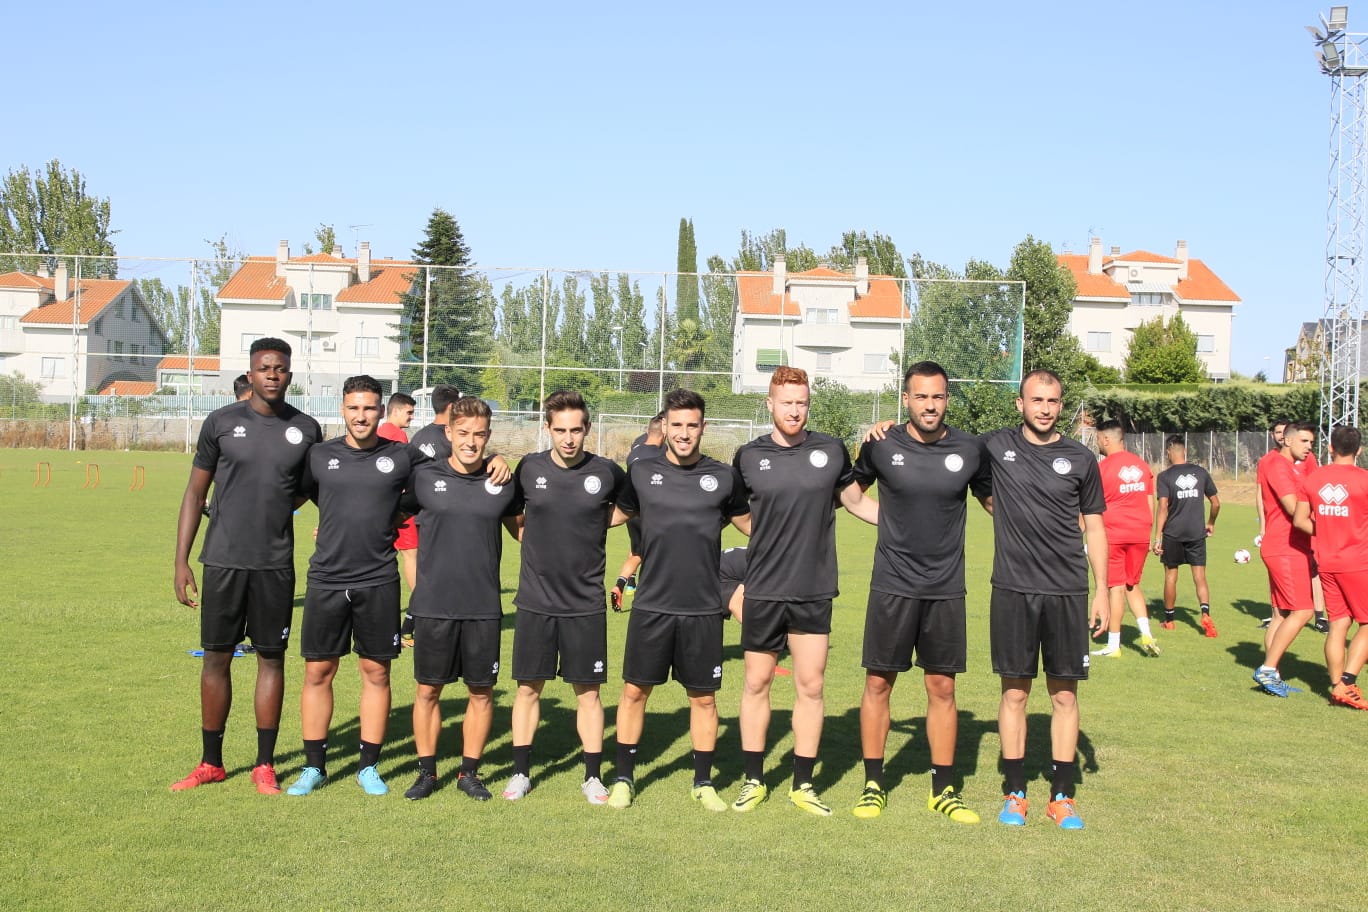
{"points": [[266, 739], [370, 754], [802, 770], [212, 750], [1347, 678], [469, 766], [1206, 609], [942, 777], [703, 763], [522, 760], [626, 761], [1014, 775], [1062, 780], [428, 765], [874, 770], [316, 754], [406, 629], [754, 762], [593, 764], [1168, 614]]}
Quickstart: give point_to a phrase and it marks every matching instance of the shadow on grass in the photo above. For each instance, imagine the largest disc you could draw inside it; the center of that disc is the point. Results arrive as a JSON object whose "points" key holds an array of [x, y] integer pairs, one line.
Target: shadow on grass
{"points": [[1256, 610], [1251, 655]]}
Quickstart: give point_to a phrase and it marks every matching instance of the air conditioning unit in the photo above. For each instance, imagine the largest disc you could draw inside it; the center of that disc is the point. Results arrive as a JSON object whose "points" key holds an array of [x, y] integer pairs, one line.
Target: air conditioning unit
{"points": [[329, 345]]}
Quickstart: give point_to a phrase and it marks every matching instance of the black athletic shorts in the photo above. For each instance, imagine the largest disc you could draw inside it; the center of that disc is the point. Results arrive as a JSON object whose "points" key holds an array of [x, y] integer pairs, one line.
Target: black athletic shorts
{"points": [[765, 626], [1028, 629], [580, 642], [634, 534], [896, 626], [333, 618], [445, 650], [258, 604], [1178, 552], [689, 644]]}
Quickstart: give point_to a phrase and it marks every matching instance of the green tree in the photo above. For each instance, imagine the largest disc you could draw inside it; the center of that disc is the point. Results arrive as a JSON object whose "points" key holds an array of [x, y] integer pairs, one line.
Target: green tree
{"points": [[686, 265], [835, 409], [718, 313], [327, 240], [757, 253], [1050, 290], [460, 331], [49, 213], [1163, 352], [879, 251], [170, 307]]}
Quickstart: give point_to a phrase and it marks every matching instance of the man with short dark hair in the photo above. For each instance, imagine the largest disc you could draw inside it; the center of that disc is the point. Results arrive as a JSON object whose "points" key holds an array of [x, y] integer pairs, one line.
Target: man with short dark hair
{"points": [[398, 417], [561, 624], [353, 594], [1183, 528], [253, 453], [242, 387], [1128, 486], [1042, 482]]}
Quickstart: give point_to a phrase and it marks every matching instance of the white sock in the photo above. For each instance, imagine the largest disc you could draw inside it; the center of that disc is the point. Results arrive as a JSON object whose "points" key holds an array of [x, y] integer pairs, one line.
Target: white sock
{"points": [[1114, 640], [1143, 624]]}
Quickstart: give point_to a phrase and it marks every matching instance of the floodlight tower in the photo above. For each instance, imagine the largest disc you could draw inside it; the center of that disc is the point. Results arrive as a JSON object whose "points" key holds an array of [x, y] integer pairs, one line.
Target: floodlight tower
{"points": [[1343, 58]]}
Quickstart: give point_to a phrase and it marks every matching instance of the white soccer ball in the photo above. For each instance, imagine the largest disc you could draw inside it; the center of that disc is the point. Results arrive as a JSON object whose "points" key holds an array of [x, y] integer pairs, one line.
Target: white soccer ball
{"points": [[1242, 556]]}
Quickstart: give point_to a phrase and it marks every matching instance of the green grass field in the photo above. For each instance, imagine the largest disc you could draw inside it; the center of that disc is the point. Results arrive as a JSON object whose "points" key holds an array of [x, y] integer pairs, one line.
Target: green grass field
{"points": [[1198, 792]]}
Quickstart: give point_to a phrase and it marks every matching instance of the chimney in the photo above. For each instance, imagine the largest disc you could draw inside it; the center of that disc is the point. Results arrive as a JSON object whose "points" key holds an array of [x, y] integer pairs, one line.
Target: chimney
{"points": [[1181, 255], [337, 250], [780, 274], [282, 257], [43, 270], [59, 280], [363, 271], [1095, 256], [861, 276], [1116, 251]]}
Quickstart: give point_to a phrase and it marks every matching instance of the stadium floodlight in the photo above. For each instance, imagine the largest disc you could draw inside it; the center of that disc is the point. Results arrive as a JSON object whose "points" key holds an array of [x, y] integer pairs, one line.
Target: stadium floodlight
{"points": [[1339, 19], [1315, 33], [1330, 56]]}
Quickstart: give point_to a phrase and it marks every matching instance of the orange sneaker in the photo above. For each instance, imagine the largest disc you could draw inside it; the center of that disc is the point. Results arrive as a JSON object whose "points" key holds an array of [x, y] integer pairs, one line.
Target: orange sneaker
{"points": [[1343, 694], [265, 778], [1208, 626], [1013, 809], [1064, 812], [200, 775]]}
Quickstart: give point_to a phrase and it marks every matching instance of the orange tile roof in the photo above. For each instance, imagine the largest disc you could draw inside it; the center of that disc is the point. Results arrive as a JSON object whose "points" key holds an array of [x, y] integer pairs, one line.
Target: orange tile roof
{"points": [[96, 295], [1143, 256], [1203, 285], [256, 280], [755, 291], [885, 299], [182, 362], [390, 280], [1089, 285], [128, 388], [22, 280], [321, 258], [823, 272]]}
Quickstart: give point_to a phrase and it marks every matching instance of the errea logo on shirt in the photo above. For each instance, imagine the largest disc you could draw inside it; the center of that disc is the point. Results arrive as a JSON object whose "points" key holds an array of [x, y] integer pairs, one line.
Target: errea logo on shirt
{"points": [[1131, 479], [1334, 497], [428, 450], [439, 486], [657, 479], [764, 465], [239, 431], [1187, 487], [1009, 456], [898, 459], [541, 482], [334, 464]]}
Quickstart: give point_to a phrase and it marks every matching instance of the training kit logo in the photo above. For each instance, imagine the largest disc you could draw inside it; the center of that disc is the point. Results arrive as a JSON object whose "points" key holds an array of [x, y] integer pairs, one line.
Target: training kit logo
{"points": [[1061, 466], [592, 484], [1130, 474], [491, 487], [294, 435], [954, 462], [385, 464], [764, 465], [334, 464], [1086, 657], [708, 483], [428, 450], [541, 482], [657, 479], [239, 431], [1333, 494], [1009, 456], [717, 672], [818, 458], [898, 459], [1187, 487], [598, 667], [439, 486], [285, 634], [495, 669]]}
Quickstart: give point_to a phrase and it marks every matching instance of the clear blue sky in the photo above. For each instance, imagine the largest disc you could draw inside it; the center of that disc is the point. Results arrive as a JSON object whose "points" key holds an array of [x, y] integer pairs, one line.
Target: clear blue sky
{"points": [[578, 134]]}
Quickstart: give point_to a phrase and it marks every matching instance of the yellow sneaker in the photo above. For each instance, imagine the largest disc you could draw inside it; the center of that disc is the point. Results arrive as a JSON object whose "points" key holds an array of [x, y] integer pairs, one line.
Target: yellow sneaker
{"points": [[1149, 647], [621, 794], [951, 805], [753, 794], [805, 798], [872, 801], [707, 796]]}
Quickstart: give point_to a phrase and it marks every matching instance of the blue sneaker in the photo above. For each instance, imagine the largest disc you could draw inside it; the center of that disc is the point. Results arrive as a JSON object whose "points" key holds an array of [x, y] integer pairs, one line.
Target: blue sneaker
{"points": [[310, 778], [1064, 812], [1013, 809], [371, 783], [1271, 682]]}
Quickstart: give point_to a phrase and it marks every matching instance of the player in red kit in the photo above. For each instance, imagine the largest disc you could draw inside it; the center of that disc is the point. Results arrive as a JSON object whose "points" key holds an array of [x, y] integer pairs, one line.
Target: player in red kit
{"points": [[1128, 486]]}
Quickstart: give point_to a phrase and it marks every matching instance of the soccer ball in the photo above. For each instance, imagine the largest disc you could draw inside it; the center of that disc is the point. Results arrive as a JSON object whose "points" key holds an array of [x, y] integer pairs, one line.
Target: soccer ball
{"points": [[1242, 556]]}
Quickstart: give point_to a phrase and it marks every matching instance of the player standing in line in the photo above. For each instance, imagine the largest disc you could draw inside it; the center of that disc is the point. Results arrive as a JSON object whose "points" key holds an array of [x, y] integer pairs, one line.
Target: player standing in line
{"points": [[353, 594], [398, 416], [253, 452], [568, 496], [1286, 553], [242, 387], [1182, 527], [793, 477], [456, 607], [1128, 486], [1042, 482], [916, 590], [651, 443], [1333, 509], [684, 499], [1301, 467]]}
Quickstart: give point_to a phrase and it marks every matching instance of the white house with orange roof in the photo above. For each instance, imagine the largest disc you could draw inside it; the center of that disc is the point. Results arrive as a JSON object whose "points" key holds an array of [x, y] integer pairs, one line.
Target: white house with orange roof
{"points": [[1119, 291], [845, 326], [341, 316], [173, 373], [76, 336]]}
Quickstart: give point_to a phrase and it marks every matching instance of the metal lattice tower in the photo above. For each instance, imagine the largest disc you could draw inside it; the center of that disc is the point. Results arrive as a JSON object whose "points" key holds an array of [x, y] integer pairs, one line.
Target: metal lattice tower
{"points": [[1343, 58]]}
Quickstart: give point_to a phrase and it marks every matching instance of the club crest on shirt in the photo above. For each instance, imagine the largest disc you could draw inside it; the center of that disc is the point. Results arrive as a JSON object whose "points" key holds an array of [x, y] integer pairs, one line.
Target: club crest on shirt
{"points": [[592, 484], [491, 487], [708, 483], [818, 458], [239, 431], [385, 464], [334, 464], [1061, 466], [294, 435], [954, 462], [428, 450]]}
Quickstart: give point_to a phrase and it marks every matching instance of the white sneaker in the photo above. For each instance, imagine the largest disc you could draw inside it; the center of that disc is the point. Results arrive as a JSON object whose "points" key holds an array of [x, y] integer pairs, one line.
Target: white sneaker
{"points": [[594, 791], [517, 787], [1108, 652]]}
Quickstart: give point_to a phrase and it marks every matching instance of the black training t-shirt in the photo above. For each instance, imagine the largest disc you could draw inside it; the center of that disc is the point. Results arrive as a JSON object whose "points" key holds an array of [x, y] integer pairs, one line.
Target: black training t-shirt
{"points": [[430, 442], [731, 571], [644, 451], [922, 508], [357, 492], [682, 510], [564, 533], [793, 491], [258, 465], [1038, 493], [1186, 486], [460, 541]]}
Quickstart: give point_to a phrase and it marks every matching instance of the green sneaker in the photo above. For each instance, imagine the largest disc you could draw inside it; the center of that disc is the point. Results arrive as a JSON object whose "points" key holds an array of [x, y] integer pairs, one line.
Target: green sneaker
{"points": [[804, 797], [951, 805], [1149, 647], [621, 794], [707, 796], [872, 801], [753, 794]]}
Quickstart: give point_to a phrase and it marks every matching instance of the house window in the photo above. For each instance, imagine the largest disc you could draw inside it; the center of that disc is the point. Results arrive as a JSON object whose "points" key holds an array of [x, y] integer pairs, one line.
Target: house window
{"points": [[1149, 299], [767, 359], [118, 351], [248, 339], [9, 323], [823, 365], [820, 315], [1099, 341], [95, 327], [367, 346], [876, 364], [118, 310], [315, 302], [54, 368], [1206, 343], [325, 390]]}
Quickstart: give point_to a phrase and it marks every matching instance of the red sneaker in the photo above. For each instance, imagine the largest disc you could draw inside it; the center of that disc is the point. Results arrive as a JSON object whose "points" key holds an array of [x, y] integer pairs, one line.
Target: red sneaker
{"points": [[1344, 695], [265, 778], [200, 775], [1167, 625], [1208, 626]]}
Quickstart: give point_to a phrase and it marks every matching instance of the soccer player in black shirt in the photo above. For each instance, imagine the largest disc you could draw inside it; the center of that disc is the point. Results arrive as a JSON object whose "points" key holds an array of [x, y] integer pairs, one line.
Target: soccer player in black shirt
{"points": [[916, 591], [253, 453], [651, 443], [684, 499], [457, 608], [1183, 527], [793, 479], [1042, 482], [353, 592], [568, 496]]}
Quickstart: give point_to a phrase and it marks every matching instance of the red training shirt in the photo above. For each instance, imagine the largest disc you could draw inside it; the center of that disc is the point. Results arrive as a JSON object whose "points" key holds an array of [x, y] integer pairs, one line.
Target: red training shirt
{"points": [[1338, 495], [1127, 484], [1277, 478]]}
